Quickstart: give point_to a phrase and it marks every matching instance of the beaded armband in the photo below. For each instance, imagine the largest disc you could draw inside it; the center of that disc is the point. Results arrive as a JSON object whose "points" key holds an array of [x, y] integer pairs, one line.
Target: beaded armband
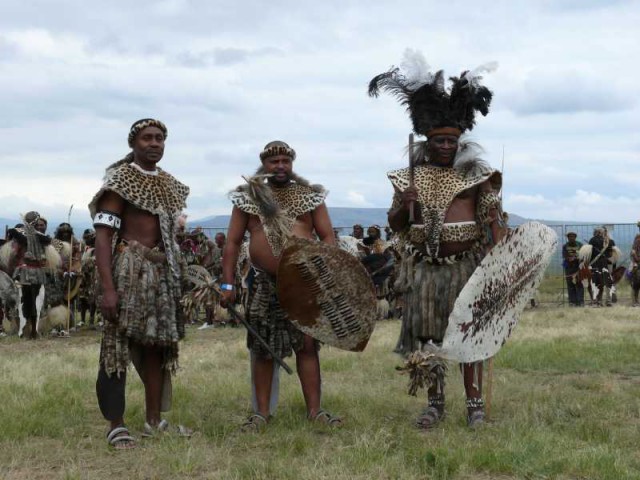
{"points": [[105, 218]]}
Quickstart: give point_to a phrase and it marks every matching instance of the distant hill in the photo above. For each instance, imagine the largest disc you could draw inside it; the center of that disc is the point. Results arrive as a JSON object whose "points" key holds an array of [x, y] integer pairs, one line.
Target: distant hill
{"points": [[341, 217]]}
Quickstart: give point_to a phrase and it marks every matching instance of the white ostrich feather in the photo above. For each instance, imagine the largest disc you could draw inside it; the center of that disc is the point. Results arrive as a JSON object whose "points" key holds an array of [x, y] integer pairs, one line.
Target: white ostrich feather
{"points": [[415, 69], [474, 76]]}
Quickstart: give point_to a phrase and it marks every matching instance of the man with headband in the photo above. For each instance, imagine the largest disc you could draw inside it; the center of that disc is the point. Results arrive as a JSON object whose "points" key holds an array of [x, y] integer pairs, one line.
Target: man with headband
{"points": [[275, 205], [135, 215], [446, 210], [33, 262]]}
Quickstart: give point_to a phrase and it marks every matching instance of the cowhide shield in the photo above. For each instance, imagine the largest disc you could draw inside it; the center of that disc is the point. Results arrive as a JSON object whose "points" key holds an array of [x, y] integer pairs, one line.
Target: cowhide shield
{"points": [[488, 307], [198, 275], [71, 286], [327, 294], [8, 289]]}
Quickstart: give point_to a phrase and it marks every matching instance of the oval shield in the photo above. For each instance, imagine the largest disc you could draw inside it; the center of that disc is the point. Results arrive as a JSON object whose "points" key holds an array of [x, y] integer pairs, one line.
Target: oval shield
{"points": [[490, 304], [327, 294]]}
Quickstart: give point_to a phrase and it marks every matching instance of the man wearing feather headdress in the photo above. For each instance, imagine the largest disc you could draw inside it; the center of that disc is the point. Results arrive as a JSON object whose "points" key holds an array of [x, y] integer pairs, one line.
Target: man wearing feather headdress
{"points": [[275, 205], [446, 210], [135, 214]]}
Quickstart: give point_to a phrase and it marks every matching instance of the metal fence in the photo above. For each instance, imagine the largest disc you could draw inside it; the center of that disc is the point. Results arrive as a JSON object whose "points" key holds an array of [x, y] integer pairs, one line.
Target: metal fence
{"points": [[553, 290]]}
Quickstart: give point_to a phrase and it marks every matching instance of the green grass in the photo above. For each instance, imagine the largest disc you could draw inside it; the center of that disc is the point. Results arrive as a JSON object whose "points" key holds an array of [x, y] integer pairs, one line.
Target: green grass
{"points": [[566, 405]]}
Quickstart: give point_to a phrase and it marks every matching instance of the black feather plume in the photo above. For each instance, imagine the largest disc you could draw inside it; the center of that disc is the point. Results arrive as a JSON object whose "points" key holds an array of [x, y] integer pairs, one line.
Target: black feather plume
{"points": [[429, 104]]}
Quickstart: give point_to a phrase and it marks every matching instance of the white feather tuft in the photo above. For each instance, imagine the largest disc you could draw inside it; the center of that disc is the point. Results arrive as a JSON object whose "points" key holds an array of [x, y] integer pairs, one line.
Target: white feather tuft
{"points": [[474, 76], [415, 69]]}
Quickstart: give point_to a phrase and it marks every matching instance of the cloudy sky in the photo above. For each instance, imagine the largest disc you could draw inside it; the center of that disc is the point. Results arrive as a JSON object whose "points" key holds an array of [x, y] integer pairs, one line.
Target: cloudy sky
{"points": [[229, 76]]}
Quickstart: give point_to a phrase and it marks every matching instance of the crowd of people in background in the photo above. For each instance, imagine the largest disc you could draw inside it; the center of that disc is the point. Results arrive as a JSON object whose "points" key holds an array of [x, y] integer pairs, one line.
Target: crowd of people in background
{"points": [[50, 281], [45, 280], [594, 268]]}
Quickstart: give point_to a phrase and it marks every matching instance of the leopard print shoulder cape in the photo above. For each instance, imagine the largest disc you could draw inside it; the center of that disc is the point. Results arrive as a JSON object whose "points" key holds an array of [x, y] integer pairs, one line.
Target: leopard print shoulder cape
{"points": [[437, 187], [160, 194], [277, 208]]}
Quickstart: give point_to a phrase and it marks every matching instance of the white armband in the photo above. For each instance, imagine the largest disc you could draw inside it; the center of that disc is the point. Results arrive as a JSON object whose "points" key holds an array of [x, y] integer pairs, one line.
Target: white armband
{"points": [[107, 219]]}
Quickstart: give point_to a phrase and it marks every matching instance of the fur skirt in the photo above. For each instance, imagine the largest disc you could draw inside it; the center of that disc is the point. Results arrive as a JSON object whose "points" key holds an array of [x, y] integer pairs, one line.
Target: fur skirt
{"points": [[266, 316], [429, 296], [149, 311]]}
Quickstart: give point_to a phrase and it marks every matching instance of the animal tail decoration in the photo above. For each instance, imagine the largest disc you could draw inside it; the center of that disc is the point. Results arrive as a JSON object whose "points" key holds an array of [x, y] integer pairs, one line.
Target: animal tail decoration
{"points": [[424, 370]]}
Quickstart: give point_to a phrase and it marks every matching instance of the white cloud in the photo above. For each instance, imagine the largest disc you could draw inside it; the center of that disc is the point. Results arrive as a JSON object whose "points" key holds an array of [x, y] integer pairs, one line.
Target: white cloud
{"points": [[580, 206], [357, 199], [227, 77], [528, 200]]}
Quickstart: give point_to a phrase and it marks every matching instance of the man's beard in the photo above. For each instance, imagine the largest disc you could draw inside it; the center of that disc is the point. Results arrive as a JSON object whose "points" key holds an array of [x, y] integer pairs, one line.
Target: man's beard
{"points": [[276, 181], [370, 240]]}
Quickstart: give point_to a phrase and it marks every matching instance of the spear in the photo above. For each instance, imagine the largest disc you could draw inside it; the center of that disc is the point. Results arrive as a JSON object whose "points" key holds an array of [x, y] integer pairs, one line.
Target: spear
{"points": [[234, 313], [69, 273], [412, 207], [206, 288]]}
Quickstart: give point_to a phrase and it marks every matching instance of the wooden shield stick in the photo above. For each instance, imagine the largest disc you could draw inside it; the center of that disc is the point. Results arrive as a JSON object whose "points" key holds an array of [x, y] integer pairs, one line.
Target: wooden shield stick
{"points": [[489, 380], [412, 207]]}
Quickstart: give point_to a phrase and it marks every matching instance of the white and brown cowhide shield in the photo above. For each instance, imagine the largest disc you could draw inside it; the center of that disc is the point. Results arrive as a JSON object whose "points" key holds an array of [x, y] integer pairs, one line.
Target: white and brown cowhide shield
{"points": [[327, 294], [491, 302]]}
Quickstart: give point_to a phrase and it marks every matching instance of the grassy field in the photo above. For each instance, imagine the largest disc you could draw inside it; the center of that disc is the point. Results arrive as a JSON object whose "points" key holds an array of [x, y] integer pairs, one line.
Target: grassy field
{"points": [[566, 405]]}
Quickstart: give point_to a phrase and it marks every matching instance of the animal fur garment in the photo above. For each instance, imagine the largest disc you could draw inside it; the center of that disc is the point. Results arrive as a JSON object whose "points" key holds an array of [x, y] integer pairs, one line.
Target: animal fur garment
{"points": [[430, 297], [266, 316], [148, 312], [161, 194], [277, 207], [437, 187]]}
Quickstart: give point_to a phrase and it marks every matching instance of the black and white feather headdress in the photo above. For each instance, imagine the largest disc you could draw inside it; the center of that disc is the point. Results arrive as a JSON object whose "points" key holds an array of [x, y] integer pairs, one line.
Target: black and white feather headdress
{"points": [[429, 104]]}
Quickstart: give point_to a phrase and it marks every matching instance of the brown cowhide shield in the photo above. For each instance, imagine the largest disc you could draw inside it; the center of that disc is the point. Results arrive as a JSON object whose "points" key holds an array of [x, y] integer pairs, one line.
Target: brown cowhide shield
{"points": [[327, 294], [488, 307]]}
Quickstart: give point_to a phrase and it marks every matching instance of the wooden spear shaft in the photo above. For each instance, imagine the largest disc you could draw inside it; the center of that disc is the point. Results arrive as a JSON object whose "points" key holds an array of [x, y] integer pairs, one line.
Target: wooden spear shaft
{"points": [[412, 206], [69, 273]]}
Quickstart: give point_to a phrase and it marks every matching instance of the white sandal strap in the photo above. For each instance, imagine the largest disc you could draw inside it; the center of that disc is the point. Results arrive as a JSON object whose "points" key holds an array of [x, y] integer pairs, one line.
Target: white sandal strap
{"points": [[114, 434]]}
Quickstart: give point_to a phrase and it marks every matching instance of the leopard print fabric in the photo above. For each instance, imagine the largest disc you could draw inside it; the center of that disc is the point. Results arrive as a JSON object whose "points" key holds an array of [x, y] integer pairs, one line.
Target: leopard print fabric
{"points": [[156, 194], [487, 202], [293, 201], [450, 233], [437, 187], [459, 233], [160, 194]]}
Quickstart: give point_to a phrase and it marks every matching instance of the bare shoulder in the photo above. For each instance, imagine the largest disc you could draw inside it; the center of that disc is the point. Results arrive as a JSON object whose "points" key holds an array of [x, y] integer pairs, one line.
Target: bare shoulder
{"points": [[112, 202]]}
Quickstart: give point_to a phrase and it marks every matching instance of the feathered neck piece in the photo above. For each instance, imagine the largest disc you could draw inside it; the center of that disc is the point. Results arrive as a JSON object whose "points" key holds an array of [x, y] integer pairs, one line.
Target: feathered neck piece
{"points": [[261, 192], [275, 207], [433, 109]]}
